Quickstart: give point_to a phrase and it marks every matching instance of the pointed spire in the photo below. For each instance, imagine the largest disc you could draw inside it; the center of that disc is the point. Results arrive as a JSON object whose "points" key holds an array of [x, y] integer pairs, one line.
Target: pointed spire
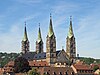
{"points": [[25, 38], [39, 35], [70, 32], [50, 33]]}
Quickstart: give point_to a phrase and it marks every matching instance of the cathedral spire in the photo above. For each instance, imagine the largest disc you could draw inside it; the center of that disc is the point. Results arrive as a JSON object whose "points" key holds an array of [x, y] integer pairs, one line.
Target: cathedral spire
{"points": [[50, 33], [25, 42], [39, 42], [39, 35], [25, 38], [70, 32], [70, 43]]}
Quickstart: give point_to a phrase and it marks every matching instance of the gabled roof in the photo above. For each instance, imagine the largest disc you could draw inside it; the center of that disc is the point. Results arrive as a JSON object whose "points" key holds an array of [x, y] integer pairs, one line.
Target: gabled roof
{"points": [[57, 52], [62, 56]]}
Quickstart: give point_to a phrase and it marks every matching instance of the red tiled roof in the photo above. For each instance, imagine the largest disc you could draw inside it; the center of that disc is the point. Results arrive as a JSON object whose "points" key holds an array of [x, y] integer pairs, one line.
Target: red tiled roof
{"points": [[31, 63], [11, 64], [38, 63], [92, 65], [82, 67]]}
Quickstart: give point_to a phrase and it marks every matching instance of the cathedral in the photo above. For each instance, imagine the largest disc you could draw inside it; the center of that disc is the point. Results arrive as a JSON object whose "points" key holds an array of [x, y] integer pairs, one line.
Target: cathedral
{"points": [[52, 56]]}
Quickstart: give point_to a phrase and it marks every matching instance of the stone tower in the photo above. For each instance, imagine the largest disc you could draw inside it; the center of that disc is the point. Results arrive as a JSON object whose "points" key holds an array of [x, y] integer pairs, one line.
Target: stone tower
{"points": [[70, 43], [25, 42], [39, 42], [50, 45]]}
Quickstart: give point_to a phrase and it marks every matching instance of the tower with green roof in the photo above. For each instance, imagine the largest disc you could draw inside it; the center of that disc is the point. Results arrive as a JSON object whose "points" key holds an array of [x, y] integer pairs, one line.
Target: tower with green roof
{"points": [[51, 45], [39, 42], [70, 42], [25, 42]]}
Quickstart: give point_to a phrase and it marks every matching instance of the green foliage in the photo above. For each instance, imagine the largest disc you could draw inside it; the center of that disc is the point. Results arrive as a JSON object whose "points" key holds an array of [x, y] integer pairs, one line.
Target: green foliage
{"points": [[89, 60], [33, 72], [44, 74], [6, 57], [95, 68], [21, 65]]}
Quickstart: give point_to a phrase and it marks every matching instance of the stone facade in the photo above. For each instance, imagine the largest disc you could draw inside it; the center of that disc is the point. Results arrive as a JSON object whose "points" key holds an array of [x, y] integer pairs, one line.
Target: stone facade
{"points": [[70, 43], [39, 47], [25, 42], [51, 45], [39, 43]]}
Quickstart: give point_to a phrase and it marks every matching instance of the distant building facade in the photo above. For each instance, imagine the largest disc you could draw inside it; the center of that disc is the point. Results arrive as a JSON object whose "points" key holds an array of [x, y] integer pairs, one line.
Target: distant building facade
{"points": [[81, 68]]}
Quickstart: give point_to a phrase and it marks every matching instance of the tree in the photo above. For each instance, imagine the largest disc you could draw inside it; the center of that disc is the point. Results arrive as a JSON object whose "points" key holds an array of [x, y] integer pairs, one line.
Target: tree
{"points": [[33, 72], [45, 74], [95, 68], [21, 65]]}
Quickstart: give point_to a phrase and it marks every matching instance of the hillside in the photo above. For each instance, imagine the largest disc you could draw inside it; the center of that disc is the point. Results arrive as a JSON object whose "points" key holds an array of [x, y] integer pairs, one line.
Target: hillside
{"points": [[6, 57], [89, 60]]}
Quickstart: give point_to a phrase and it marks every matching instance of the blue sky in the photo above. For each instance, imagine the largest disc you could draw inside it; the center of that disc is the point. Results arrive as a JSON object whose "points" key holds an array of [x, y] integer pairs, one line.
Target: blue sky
{"points": [[85, 15]]}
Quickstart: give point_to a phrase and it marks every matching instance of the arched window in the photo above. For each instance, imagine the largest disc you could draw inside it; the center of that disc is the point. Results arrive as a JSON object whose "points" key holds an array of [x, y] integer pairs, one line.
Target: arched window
{"points": [[66, 73], [60, 73], [54, 73]]}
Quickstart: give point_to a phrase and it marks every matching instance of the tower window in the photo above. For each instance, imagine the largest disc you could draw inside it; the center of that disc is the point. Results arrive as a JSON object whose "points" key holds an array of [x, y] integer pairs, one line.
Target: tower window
{"points": [[52, 55], [51, 49]]}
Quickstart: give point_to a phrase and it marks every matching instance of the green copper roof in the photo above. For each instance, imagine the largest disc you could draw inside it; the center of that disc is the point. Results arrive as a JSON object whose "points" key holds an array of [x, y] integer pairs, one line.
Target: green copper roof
{"points": [[70, 32], [25, 38], [39, 36], [50, 33]]}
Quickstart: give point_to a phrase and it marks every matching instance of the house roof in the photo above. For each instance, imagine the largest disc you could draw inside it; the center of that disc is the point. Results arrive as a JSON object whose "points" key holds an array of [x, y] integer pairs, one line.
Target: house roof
{"points": [[11, 63], [38, 63], [82, 67], [35, 56], [92, 65], [29, 55], [62, 56], [40, 56]]}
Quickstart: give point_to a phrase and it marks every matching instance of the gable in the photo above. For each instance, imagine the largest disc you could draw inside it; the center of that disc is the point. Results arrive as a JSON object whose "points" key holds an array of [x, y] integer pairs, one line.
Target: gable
{"points": [[62, 57]]}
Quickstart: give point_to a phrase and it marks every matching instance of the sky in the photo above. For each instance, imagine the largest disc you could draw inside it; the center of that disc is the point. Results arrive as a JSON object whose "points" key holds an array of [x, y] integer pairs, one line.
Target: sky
{"points": [[85, 17]]}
